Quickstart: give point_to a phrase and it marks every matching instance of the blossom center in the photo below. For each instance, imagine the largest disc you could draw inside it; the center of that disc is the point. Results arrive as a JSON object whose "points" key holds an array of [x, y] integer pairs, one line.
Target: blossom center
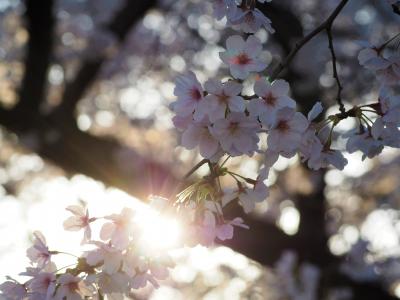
{"points": [[241, 59], [283, 126], [223, 98], [270, 99], [233, 126], [195, 94], [73, 286]]}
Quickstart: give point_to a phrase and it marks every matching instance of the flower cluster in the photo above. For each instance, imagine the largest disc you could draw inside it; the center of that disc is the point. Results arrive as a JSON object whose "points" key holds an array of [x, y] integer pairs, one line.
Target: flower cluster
{"points": [[113, 266], [223, 121]]}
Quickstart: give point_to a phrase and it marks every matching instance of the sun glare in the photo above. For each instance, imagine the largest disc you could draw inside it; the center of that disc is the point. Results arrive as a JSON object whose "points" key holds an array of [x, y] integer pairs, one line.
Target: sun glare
{"points": [[159, 232]]}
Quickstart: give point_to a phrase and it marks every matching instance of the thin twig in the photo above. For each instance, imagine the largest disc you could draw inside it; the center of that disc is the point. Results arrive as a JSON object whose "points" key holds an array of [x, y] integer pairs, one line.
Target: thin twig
{"points": [[326, 24], [192, 170], [334, 67]]}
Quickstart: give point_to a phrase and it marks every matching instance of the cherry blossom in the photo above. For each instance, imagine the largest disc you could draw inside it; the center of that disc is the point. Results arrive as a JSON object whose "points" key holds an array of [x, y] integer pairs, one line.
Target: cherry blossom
{"points": [[251, 20], [328, 157], [365, 143], [189, 92], [389, 106], [43, 285], [109, 257], [223, 96], [198, 134], [39, 253], [272, 98], [286, 132], [315, 111], [210, 229], [72, 288], [242, 56], [387, 68], [224, 8], [118, 229], [237, 134], [13, 290], [79, 220], [114, 286], [248, 197]]}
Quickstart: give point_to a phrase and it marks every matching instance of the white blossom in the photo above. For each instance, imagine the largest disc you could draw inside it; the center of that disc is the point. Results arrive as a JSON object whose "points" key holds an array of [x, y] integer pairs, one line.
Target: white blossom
{"points": [[287, 131], [79, 220], [223, 96], [251, 20], [39, 253], [365, 143], [189, 92], [72, 288], [118, 229], [242, 56], [109, 257], [272, 98], [199, 135], [237, 134]]}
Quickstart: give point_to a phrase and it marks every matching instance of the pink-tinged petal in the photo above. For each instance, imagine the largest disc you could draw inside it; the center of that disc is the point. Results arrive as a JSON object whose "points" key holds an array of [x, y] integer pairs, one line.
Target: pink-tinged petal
{"points": [[243, 143], [213, 86], [181, 123], [94, 257], [366, 54], [236, 103], [377, 128], [253, 46], [112, 263], [315, 111], [225, 232], [299, 122], [202, 109], [209, 219], [239, 223], [235, 42], [73, 224], [107, 231], [256, 107], [262, 87], [40, 239], [120, 239], [286, 101], [256, 66], [208, 146], [280, 87], [191, 136], [232, 88], [239, 72], [76, 210], [87, 235]]}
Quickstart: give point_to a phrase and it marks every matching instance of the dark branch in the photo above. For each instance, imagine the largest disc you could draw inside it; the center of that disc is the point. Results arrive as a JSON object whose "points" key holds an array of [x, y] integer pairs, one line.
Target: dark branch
{"points": [[335, 73], [120, 26], [40, 29], [326, 24], [396, 8]]}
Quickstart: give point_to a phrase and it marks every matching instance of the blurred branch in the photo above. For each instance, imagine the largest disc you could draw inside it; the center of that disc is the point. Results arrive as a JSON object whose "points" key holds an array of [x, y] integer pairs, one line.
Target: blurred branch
{"points": [[40, 29], [396, 8], [324, 26], [334, 68], [120, 26]]}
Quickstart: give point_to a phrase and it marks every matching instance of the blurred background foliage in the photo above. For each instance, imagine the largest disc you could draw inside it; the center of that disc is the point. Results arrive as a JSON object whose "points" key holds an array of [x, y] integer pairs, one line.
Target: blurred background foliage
{"points": [[84, 92]]}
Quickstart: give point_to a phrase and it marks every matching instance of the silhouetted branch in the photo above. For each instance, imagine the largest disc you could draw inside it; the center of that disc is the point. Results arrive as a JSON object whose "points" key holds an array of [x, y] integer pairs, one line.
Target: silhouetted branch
{"points": [[119, 26], [326, 24], [40, 25]]}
